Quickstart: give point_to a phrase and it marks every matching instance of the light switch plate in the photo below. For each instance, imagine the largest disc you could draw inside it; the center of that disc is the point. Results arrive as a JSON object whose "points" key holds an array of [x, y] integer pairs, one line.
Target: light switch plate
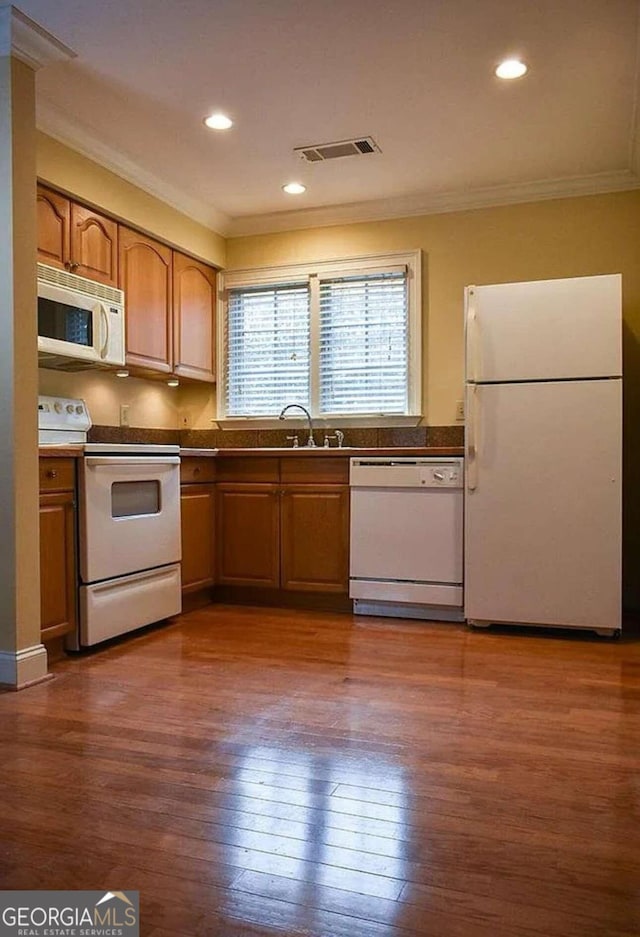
{"points": [[124, 414], [459, 410]]}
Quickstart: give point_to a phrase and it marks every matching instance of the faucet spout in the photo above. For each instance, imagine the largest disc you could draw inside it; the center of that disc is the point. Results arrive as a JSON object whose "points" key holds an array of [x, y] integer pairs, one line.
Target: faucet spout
{"points": [[298, 406]]}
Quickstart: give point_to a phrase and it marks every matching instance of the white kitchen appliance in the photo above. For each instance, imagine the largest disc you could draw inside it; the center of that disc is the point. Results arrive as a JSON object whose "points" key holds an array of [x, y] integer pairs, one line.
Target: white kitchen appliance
{"points": [[80, 322], [128, 526], [543, 461], [406, 537]]}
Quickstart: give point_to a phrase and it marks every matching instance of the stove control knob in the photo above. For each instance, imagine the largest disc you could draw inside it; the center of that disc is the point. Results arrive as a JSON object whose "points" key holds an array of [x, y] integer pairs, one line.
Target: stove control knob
{"points": [[79, 409], [57, 407], [69, 408]]}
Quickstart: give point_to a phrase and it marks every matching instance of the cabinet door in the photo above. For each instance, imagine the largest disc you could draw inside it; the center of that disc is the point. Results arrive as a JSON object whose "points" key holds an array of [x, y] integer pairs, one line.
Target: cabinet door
{"points": [[57, 564], [197, 513], [248, 535], [194, 305], [94, 246], [315, 538], [145, 277], [53, 228]]}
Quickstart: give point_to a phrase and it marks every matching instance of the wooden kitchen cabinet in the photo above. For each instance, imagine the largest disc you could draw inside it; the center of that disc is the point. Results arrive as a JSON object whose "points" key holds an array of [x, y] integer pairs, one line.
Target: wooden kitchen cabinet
{"points": [[284, 524], [194, 305], [53, 220], [248, 535], [315, 538], [76, 238], [146, 278], [197, 513], [57, 547]]}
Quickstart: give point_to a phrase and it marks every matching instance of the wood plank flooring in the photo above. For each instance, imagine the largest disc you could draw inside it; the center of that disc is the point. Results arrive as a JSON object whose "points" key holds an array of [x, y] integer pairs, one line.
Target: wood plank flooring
{"points": [[259, 771]]}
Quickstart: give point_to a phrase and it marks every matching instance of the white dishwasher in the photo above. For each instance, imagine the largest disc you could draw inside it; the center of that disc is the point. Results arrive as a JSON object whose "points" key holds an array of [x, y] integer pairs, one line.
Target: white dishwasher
{"points": [[407, 537]]}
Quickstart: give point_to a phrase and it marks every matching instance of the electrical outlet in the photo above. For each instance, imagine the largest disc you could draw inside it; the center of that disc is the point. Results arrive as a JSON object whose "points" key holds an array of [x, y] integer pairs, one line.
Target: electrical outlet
{"points": [[185, 419], [460, 410], [124, 414]]}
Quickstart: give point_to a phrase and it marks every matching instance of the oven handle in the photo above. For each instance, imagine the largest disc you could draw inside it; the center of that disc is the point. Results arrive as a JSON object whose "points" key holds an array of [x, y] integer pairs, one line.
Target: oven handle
{"points": [[149, 461]]}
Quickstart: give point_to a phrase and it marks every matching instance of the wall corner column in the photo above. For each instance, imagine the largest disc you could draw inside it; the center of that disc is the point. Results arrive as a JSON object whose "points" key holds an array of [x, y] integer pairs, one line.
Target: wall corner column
{"points": [[24, 47]]}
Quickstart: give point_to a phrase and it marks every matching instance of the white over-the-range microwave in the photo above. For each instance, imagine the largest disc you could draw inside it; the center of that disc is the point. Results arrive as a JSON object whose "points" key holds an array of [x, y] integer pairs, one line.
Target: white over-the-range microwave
{"points": [[80, 322]]}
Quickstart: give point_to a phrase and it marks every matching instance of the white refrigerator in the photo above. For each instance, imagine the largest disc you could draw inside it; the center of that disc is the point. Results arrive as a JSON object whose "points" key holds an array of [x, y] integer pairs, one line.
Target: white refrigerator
{"points": [[543, 466]]}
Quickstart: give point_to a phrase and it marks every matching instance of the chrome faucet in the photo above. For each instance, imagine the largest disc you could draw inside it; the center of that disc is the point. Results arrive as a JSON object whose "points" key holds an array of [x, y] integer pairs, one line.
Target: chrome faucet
{"points": [[311, 441]]}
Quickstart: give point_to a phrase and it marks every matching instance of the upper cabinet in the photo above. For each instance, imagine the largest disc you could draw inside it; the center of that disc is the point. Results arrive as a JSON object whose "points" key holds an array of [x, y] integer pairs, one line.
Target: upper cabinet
{"points": [[76, 238], [194, 296], [53, 228], [170, 299], [146, 278]]}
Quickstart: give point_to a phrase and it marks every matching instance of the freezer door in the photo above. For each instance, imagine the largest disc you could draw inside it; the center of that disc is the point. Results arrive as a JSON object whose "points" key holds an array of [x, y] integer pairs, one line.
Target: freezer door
{"points": [[543, 504], [544, 330]]}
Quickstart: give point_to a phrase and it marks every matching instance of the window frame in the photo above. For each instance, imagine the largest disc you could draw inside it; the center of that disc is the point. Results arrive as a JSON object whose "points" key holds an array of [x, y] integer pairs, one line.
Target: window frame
{"points": [[307, 272]]}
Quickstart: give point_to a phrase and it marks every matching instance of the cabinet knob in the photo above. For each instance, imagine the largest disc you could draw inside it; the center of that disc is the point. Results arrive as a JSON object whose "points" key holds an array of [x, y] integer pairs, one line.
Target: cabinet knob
{"points": [[52, 473], [196, 470]]}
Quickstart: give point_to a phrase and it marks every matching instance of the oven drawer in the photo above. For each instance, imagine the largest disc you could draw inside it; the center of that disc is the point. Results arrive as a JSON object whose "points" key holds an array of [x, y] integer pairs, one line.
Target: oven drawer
{"points": [[108, 609]]}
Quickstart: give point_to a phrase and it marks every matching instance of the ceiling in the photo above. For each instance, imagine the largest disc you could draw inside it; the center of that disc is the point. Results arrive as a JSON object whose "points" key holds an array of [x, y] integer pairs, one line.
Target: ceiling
{"points": [[416, 75]]}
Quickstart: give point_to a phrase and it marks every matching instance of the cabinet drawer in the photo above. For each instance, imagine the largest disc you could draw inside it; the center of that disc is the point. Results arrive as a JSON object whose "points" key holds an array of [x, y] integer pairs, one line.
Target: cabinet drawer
{"points": [[193, 469], [57, 474], [318, 470], [248, 469]]}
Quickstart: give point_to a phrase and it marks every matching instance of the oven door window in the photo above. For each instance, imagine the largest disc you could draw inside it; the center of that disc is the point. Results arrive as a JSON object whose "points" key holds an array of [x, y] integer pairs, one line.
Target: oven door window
{"points": [[64, 322], [135, 498]]}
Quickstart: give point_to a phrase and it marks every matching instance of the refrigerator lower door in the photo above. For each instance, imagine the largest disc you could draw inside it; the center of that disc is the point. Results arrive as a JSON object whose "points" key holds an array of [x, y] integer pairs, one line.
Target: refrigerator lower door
{"points": [[543, 504]]}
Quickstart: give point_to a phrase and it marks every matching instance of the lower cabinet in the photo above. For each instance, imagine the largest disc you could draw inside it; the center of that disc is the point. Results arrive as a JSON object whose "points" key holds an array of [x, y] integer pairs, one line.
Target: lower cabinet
{"points": [[248, 535], [57, 548], [294, 538], [198, 523], [314, 552], [197, 512]]}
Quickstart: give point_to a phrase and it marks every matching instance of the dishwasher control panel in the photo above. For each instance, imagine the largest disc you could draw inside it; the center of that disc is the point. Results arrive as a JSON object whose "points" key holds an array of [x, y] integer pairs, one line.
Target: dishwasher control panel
{"points": [[405, 472]]}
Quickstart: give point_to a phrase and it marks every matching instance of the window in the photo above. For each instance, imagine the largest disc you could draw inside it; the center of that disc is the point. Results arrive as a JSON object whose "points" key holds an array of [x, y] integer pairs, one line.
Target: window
{"points": [[340, 338]]}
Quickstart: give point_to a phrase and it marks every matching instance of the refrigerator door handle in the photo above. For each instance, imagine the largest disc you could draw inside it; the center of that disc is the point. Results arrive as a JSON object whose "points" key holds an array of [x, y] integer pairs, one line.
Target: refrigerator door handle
{"points": [[473, 337], [472, 428]]}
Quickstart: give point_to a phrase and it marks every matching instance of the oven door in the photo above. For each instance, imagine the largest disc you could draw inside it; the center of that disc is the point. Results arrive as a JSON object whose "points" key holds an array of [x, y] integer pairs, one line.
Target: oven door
{"points": [[129, 515]]}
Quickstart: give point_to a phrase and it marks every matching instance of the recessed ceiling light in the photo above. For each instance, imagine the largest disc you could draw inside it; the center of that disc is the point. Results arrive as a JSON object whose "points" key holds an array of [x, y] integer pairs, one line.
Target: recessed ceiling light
{"points": [[218, 121], [511, 68], [173, 382], [294, 188], [122, 373]]}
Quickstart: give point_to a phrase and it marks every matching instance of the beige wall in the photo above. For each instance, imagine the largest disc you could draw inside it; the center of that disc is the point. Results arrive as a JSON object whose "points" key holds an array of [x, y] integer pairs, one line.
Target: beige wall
{"points": [[569, 237], [64, 168], [151, 403]]}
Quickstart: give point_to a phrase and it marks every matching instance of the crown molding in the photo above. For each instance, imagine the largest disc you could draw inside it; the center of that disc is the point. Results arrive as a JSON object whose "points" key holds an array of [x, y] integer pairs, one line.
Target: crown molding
{"points": [[53, 121], [428, 204], [28, 41]]}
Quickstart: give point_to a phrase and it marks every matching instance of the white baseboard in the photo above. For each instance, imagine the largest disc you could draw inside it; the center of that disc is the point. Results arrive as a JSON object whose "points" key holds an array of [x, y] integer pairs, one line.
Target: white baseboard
{"points": [[19, 669]]}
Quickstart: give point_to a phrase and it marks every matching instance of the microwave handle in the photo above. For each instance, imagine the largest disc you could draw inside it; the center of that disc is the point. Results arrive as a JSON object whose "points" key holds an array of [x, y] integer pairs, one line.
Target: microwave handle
{"points": [[104, 316]]}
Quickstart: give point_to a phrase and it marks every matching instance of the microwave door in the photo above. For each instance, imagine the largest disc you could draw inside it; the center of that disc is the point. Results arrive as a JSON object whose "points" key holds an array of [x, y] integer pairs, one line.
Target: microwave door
{"points": [[66, 323]]}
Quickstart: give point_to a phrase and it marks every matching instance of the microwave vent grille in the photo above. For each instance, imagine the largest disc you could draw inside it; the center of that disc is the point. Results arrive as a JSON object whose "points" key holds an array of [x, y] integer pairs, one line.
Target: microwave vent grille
{"points": [[79, 284]]}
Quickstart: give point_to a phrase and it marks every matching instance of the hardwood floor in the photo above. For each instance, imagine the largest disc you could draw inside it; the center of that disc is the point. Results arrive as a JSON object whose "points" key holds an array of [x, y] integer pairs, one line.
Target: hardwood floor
{"points": [[259, 771]]}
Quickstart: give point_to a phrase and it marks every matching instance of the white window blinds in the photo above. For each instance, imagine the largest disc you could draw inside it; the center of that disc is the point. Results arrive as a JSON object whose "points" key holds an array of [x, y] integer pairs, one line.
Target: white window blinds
{"points": [[364, 344], [267, 349]]}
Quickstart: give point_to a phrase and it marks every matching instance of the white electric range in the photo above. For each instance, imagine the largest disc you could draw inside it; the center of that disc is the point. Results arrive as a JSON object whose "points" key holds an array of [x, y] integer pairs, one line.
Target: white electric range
{"points": [[128, 525]]}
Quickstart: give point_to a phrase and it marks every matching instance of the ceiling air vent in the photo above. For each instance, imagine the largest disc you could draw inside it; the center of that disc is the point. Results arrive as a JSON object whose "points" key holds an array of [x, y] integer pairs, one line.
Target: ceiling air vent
{"points": [[321, 151]]}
